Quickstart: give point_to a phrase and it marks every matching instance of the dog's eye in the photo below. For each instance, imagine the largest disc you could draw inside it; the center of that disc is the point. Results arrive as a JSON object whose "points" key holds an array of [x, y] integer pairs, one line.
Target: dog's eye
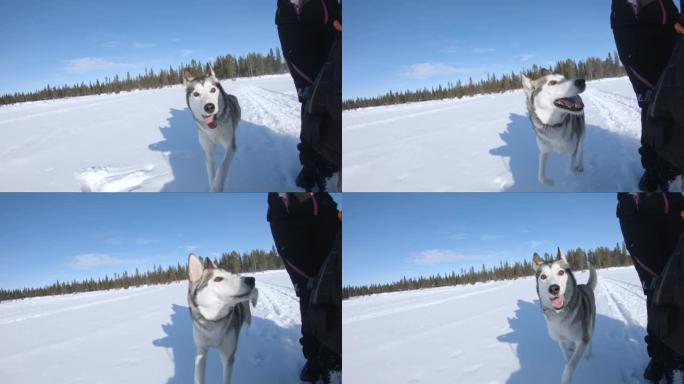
{"points": [[553, 82], [543, 277], [561, 272], [218, 279], [213, 90], [196, 94]]}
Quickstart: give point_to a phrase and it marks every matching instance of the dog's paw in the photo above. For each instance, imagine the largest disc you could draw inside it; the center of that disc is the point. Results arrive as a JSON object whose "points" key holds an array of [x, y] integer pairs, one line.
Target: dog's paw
{"points": [[579, 168], [216, 188], [547, 182]]}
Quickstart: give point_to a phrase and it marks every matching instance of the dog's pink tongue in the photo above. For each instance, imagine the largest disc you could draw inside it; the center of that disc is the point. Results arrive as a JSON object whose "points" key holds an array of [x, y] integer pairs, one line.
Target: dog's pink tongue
{"points": [[210, 121], [558, 302]]}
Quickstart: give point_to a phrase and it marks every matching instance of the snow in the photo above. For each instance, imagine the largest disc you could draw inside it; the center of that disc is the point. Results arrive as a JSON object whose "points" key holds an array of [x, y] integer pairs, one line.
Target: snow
{"points": [[489, 333], [486, 143], [143, 335], [147, 141]]}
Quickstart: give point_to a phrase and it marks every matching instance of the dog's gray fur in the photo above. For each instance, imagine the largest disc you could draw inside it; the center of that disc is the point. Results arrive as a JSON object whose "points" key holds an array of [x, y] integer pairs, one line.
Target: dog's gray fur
{"points": [[572, 326], [228, 114], [556, 129], [223, 331]]}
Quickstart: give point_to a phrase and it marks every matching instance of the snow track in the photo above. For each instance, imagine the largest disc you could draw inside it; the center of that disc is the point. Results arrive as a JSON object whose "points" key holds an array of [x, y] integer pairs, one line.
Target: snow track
{"points": [[142, 335], [147, 141], [489, 333]]}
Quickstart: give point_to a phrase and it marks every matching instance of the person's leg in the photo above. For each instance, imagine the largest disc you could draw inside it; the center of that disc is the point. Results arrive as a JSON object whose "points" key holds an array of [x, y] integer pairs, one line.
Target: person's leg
{"points": [[651, 229]]}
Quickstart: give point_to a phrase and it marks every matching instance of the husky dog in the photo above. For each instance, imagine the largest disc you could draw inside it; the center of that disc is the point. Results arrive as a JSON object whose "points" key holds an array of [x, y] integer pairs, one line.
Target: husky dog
{"points": [[557, 115], [219, 307], [569, 309], [217, 115]]}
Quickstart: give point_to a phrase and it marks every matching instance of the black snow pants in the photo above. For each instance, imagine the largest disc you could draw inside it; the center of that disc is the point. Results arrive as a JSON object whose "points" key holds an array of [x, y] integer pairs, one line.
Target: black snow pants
{"points": [[307, 35], [304, 227], [645, 39], [651, 225]]}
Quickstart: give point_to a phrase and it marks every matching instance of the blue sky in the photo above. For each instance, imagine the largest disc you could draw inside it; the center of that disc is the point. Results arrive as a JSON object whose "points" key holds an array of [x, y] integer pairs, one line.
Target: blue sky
{"points": [[400, 44], [69, 41], [387, 236], [45, 237]]}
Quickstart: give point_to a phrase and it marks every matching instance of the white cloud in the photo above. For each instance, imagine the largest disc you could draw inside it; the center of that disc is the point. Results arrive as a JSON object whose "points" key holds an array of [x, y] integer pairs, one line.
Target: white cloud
{"points": [[187, 52], [81, 65], [110, 44], [427, 70], [140, 45], [97, 260], [535, 244], [480, 50], [525, 56], [146, 240], [459, 236], [490, 237], [191, 247], [433, 257]]}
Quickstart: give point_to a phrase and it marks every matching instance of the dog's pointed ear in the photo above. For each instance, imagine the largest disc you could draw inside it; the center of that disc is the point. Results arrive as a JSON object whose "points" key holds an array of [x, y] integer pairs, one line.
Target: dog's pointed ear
{"points": [[187, 78], [537, 262], [195, 268], [527, 84], [212, 264], [545, 72], [561, 257], [210, 72]]}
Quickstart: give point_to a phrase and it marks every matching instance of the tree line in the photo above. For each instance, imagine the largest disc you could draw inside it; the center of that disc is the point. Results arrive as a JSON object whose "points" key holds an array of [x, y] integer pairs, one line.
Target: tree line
{"points": [[601, 257], [225, 67], [592, 68], [253, 261]]}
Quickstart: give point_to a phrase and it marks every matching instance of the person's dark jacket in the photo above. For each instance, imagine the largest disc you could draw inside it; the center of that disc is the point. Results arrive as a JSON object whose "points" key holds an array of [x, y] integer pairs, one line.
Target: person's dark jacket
{"points": [[650, 13]]}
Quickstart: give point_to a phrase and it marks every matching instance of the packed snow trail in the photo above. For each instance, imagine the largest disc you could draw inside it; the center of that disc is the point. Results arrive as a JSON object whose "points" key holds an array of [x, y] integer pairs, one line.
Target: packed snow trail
{"points": [[486, 143], [147, 141], [143, 335], [489, 333]]}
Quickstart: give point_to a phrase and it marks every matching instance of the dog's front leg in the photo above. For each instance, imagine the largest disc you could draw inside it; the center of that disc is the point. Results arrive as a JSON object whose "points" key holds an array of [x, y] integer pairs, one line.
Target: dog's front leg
{"points": [[200, 365], [227, 367], [564, 350], [543, 157], [220, 178], [572, 363], [578, 157], [208, 148]]}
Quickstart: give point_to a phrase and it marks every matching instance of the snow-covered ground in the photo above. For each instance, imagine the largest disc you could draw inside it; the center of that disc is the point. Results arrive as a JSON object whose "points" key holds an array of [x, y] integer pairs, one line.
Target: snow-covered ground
{"points": [[147, 141], [142, 335], [489, 333], [486, 143]]}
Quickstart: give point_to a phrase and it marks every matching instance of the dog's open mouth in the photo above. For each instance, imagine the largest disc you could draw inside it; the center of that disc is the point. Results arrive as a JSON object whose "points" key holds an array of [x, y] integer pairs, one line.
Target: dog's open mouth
{"points": [[558, 302], [210, 121], [573, 104]]}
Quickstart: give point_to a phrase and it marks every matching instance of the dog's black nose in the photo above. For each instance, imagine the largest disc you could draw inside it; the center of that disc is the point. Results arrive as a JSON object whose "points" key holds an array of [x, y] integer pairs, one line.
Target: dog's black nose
{"points": [[209, 108], [580, 83], [249, 281], [554, 289]]}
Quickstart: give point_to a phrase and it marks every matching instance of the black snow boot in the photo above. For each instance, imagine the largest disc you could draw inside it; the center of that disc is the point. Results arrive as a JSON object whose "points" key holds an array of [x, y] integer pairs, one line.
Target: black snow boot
{"points": [[674, 371], [325, 376], [674, 376], [654, 371], [651, 180], [311, 372], [307, 178]]}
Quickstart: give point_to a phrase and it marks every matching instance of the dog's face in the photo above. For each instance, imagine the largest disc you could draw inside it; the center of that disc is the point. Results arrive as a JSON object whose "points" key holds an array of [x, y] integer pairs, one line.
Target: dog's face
{"points": [[552, 281], [554, 96], [215, 291], [202, 95]]}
